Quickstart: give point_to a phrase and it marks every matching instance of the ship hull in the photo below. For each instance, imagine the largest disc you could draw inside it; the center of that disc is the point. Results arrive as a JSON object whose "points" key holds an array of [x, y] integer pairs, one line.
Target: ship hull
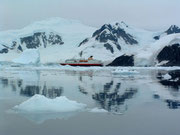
{"points": [[80, 64]]}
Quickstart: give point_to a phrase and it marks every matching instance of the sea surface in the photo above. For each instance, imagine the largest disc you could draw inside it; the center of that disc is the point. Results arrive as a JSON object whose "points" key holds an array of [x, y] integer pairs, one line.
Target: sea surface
{"points": [[137, 103]]}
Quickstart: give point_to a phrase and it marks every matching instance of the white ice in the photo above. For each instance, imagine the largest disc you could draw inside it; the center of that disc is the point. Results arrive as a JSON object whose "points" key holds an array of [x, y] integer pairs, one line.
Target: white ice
{"points": [[41, 104], [124, 71], [30, 56], [166, 76], [98, 110]]}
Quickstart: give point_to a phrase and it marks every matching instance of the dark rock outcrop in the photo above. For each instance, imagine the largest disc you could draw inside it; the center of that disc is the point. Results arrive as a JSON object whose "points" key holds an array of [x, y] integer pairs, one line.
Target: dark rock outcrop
{"points": [[173, 29], [4, 50], [171, 54], [20, 48], [41, 39], [34, 41], [109, 47], [84, 41], [157, 37], [123, 60]]}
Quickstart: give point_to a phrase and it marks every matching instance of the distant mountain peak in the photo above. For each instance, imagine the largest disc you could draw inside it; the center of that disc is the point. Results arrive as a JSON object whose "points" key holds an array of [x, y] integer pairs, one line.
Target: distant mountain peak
{"points": [[121, 24], [173, 29], [110, 37], [113, 32]]}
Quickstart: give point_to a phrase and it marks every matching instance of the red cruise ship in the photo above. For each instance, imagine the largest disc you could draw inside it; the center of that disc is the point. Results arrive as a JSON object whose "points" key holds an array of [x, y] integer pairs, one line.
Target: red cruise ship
{"points": [[80, 62]]}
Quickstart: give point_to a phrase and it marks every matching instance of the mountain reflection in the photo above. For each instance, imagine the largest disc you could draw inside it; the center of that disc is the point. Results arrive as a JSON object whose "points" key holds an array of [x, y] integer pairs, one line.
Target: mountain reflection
{"points": [[172, 84], [96, 89], [173, 104], [30, 90], [112, 101], [47, 92]]}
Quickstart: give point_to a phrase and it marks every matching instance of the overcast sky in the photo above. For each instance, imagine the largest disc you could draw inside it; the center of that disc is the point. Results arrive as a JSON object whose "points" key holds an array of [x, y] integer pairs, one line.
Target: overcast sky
{"points": [[148, 14]]}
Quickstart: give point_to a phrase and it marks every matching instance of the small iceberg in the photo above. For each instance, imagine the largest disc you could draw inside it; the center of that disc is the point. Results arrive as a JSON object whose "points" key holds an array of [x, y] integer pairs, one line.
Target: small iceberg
{"points": [[124, 71], [41, 104], [166, 77]]}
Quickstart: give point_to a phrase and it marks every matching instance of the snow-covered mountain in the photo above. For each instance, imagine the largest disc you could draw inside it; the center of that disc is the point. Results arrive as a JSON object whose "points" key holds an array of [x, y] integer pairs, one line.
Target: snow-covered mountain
{"points": [[117, 44], [171, 30], [108, 37], [56, 39], [113, 40], [129, 45]]}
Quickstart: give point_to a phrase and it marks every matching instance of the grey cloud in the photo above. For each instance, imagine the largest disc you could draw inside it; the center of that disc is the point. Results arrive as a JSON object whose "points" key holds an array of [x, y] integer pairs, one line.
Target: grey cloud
{"points": [[149, 14]]}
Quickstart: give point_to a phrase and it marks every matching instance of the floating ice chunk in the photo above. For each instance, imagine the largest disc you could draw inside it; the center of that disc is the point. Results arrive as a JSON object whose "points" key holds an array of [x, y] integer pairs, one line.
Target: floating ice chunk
{"points": [[124, 71], [166, 76], [97, 110], [41, 104]]}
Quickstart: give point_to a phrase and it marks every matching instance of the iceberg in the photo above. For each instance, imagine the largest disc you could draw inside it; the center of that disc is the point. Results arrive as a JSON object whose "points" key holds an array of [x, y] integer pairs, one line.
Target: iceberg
{"points": [[41, 104], [124, 71], [166, 77], [98, 110], [29, 56]]}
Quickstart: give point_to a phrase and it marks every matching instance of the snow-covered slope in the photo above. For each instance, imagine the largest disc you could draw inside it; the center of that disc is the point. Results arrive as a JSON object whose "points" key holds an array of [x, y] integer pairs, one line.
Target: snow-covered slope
{"points": [[56, 39]]}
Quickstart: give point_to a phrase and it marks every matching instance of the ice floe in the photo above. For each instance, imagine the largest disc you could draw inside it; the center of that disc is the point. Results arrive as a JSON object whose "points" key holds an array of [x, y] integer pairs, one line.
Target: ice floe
{"points": [[124, 71], [98, 110], [41, 104], [167, 76]]}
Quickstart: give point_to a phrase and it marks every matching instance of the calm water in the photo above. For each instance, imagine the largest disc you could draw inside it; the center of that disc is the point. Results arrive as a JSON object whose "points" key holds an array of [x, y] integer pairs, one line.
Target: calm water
{"points": [[137, 104]]}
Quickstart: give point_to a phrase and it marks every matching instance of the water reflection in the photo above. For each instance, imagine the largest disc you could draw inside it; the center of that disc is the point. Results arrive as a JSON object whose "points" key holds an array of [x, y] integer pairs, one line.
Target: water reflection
{"points": [[110, 96], [96, 89], [112, 101], [173, 104], [172, 83], [30, 90], [52, 92]]}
